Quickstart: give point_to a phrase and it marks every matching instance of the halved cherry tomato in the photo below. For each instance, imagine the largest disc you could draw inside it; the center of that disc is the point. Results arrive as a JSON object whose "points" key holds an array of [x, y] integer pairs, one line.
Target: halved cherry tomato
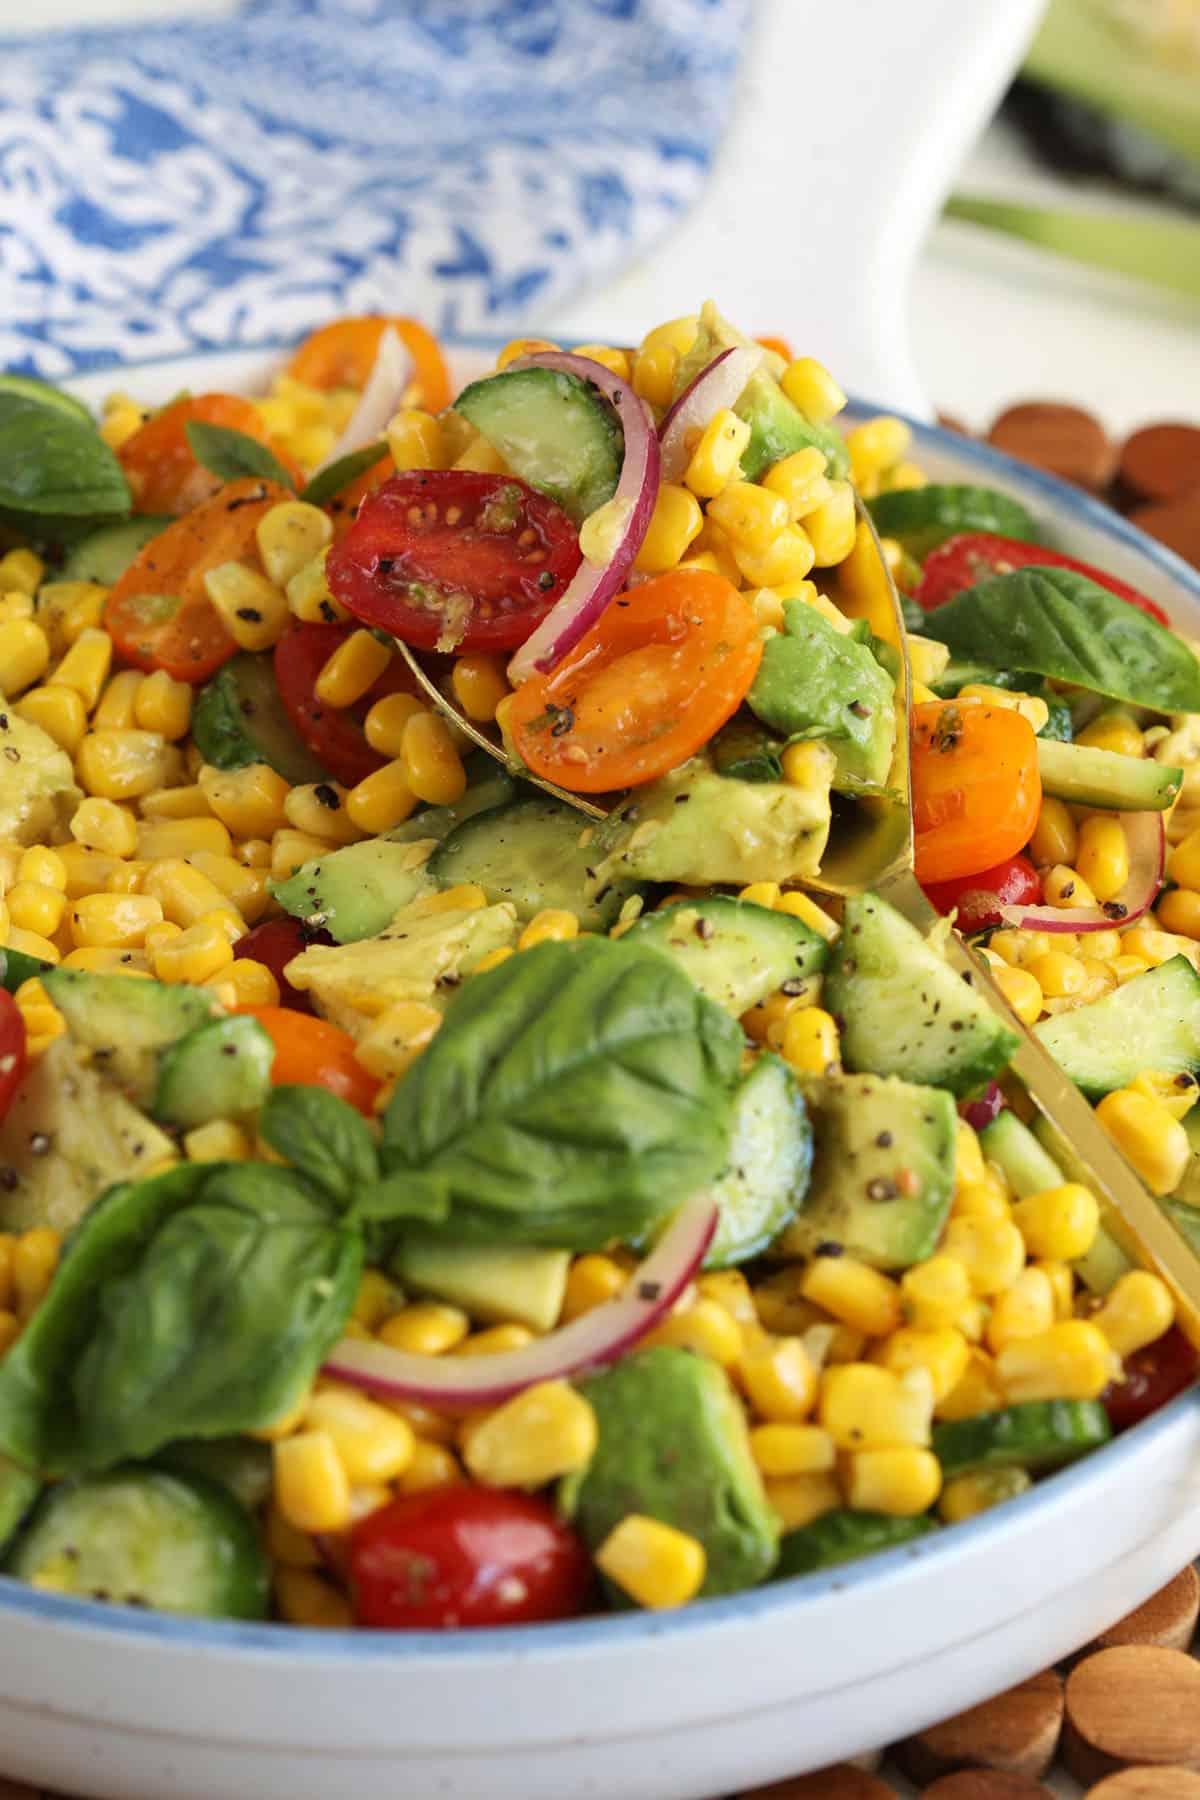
{"points": [[1152, 1377], [335, 737], [975, 787], [309, 1052], [462, 1556], [162, 471], [660, 671], [974, 555], [1014, 882], [342, 354], [12, 1049], [158, 614], [274, 943], [436, 551]]}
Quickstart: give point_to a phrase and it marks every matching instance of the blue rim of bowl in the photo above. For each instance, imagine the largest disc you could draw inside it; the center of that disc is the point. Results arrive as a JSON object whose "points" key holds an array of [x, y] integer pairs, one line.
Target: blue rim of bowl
{"points": [[526, 1641]]}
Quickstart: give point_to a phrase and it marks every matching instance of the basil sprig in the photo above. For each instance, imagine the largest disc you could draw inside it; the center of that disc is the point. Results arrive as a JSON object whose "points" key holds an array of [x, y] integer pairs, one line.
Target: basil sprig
{"points": [[230, 455], [340, 474]]}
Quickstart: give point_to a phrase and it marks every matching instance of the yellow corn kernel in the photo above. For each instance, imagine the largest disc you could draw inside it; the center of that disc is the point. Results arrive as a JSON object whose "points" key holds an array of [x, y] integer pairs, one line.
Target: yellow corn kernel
{"points": [[801, 907], [218, 1141], [1017, 948], [34, 1259], [393, 1041], [197, 954], [1062, 1285], [24, 655], [876, 445], [977, 1391], [426, 1328], [810, 386], [432, 1466], [1148, 1136], [1059, 1222], [373, 1444], [943, 1353], [864, 1407], [381, 800], [384, 724], [185, 895], [83, 609], [764, 1022], [244, 888], [547, 1431], [933, 1293], [1137, 1309], [608, 358], [122, 765], [553, 925], [801, 482], [483, 457], [656, 1565], [432, 766], [126, 878], [15, 606], [1022, 990], [761, 893], [85, 666], [729, 1289], [714, 460], [1178, 911], [312, 1489], [1024, 1310], [1177, 1092], [768, 607], [254, 853], [968, 1157], [1030, 706], [966, 1496], [984, 1199], [854, 1293], [751, 516], [41, 865], [289, 1548], [416, 440], [107, 960], [104, 826], [159, 934], [317, 807], [1154, 946], [591, 1280], [116, 921], [810, 1042], [115, 708], [900, 1483], [304, 1597], [703, 1327], [355, 666], [831, 526], [120, 423], [799, 1499], [1113, 730], [289, 536], [674, 524], [863, 585], [654, 375], [58, 711], [1126, 967], [1062, 886], [32, 906], [495, 1339], [478, 683], [253, 610], [176, 803], [30, 943], [1183, 865], [808, 765], [22, 571], [493, 959], [793, 1449], [1103, 857], [1070, 1361], [779, 1378], [309, 598], [522, 346], [164, 705], [991, 1250]]}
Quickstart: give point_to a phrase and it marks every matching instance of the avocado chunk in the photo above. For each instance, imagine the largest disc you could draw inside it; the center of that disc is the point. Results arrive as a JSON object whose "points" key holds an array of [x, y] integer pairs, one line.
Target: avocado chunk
{"points": [[127, 1024], [883, 1173], [38, 794], [1085, 776], [696, 827], [492, 1282], [1153, 1022], [817, 682], [770, 1157], [673, 1444], [736, 952]]}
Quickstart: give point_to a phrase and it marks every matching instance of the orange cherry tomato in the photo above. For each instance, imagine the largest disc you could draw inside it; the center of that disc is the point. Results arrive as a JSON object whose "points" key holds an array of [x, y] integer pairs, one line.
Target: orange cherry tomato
{"points": [[780, 346], [975, 787], [342, 353], [162, 472], [309, 1052], [662, 669], [158, 614]]}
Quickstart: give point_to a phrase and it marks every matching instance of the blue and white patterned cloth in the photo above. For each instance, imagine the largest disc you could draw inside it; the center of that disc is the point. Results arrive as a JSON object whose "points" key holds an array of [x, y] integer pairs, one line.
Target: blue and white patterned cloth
{"points": [[232, 182]]}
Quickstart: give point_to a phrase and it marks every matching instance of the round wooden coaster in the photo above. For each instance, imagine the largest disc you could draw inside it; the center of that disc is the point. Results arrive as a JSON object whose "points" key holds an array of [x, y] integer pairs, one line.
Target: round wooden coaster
{"points": [[1148, 1784], [1134, 1703], [1161, 462], [985, 1784], [1175, 523], [1016, 1733], [1167, 1620], [1064, 439], [841, 1782]]}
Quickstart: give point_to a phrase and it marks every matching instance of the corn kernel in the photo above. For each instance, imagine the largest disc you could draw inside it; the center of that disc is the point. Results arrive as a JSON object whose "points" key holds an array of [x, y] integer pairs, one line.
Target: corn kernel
{"points": [[317, 807], [117, 921], [591, 1280], [289, 536], [312, 1489], [703, 1327], [966, 1496], [426, 1328], [793, 1450], [863, 585], [253, 610], [1137, 1309], [801, 482], [801, 907], [1022, 990], [1113, 730], [393, 1041], [1148, 1136], [115, 708], [1103, 858], [32, 906], [899, 1483], [546, 1431], [432, 1466], [655, 1564], [811, 1044], [416, 440], [933, 1293], [1059, 1222], [799, 1499], [1179, 912], [21, 571], [31, 943], [714, 460], [381, 800], [103, 825], [654, 375], [808, 765], [121, 765], [384, 724], [831, 526], [218, 1141], [864, 1407], [309, 598], [356, 665], [24, 655], [1070, 1361], [432, 765], [1024, 1310], [810, 386], [184, 894], [1183, 865], [876, 445], [854, 1293], [553, 925], [85, 666], [197, 954], [306, 1598], [943, 1353], [164, 705], [372, 1443], [977, 1391], [479, 684], [57, 711], [991, 1250], [779, 1379], [35, 1257]]}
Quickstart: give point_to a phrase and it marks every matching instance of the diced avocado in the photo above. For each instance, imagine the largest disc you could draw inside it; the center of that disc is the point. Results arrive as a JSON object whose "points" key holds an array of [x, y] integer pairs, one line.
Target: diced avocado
{"points": [[673, 1444], [1026, 1165], [19, 1488], [1153, 1022], [38, 795], [1085, 776], [883, 1174], [696, 827], [770, 1159], [736, 952], [239, 718], [1105, 1262], [221, 1070], [816, 682], [1040, 1434], [125, 1023], [904, 1011], [843, 1536], [536, 853], [553, 430], [105, 554], [69, 1134], [1116, 60], [492, 1282]]}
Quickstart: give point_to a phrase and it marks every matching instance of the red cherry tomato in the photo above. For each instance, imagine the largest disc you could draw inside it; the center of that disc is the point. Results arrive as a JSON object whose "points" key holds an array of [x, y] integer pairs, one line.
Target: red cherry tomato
{"points": [[335, 738], [457, 1556], [483, 557], [12, 1049], [974, 555], [310, 1052], [1014, 882], [1152, 1377], [274, 943]]}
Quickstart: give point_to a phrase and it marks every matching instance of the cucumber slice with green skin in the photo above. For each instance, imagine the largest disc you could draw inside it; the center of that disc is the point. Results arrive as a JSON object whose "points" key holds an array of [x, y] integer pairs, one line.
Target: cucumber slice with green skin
{"points": [[553, 430], [19, 1489], [1089, 777], [1153, 1022], [1038, 1435], [28, 387], [529, 853], [843, 1536], [1026, 1165], [222, 1070], [16, 966], [905, 1011], [126, 1024], [735, 952], [142, 1536], [239, 719], [238, 1464], [921, 518], [770, 1159], [105, 554]]}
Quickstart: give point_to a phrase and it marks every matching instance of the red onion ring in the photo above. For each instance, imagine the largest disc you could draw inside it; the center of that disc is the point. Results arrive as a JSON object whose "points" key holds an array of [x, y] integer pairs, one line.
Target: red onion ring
{"points": [[1146, 841], [596, 1337], [718, 384], [592, 588], [390, 374]]}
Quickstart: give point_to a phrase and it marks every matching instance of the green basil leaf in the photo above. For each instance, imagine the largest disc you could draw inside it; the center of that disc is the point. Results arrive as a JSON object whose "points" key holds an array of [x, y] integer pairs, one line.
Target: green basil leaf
{"points": [[398, 1197], [324, 1137], [340, 474], [573, 1095], [54, 463], [230, 454], [1054, 622]]}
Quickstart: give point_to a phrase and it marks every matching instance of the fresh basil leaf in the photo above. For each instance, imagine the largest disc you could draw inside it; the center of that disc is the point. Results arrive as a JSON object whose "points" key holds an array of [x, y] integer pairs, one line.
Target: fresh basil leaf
{"points": [[230, 454], [398, 1197], [55, 464], [573, 1095], [323, 1137], [340, 474], [1056, 623]]}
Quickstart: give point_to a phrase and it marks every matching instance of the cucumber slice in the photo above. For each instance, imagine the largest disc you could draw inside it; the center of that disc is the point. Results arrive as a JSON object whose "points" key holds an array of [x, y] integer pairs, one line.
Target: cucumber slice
{"points": [[905, 1011], [105, 554], [553, 430], [222, 1070], [735, 952], [1153, 1022], [147, 1537], [239, 718], [770, 1159], [19, 1490], [1027, 1167], [28, 387], [921, 518], [843, 1536], [125, 1024], [530, 853], [1089, 777], [239, 1464], [17, 966], [1041, 1434]]}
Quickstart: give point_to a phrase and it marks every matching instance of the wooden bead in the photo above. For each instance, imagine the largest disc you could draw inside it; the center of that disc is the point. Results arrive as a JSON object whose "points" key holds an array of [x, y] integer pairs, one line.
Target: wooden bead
{"points": [[1016, 1733], [1161, 462], [1148, 1784], [841, 1782], [985, 1784], [1175, 523], [1064, 439], [1131, 1704], [1167, 1620]]}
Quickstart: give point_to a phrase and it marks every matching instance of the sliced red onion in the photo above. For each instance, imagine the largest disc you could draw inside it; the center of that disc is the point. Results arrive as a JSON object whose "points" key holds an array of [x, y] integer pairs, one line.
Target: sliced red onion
{"points": [[596, 1337], [717, 385], [379, 401], [980, 1112], [1145, 839], [593, 587]]}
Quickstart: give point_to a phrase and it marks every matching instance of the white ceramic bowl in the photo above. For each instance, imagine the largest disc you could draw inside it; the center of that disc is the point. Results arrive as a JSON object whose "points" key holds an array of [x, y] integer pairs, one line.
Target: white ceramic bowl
{"points": [[125, 1705]]}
